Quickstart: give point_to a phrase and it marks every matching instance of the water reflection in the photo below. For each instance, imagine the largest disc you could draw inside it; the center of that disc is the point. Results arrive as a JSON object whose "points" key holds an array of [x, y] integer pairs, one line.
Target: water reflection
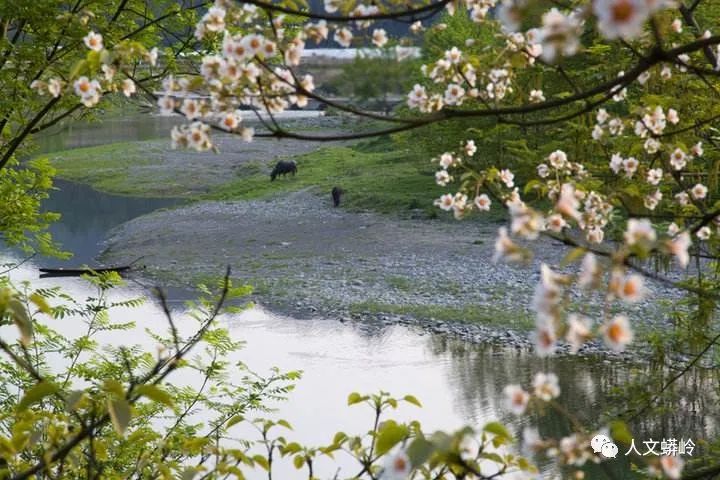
{"points": [[130, 127], [88, 216], [458, 383], [590, 387]]}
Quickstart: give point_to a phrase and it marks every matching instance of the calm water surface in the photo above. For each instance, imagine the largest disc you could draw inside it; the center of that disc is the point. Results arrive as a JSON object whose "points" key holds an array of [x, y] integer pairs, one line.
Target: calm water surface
{"points": [[458, 383]]}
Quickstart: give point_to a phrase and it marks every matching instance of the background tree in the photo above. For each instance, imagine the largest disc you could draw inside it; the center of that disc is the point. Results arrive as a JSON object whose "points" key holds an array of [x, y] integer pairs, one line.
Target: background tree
{"points": [[375, 81], [44, 51]]}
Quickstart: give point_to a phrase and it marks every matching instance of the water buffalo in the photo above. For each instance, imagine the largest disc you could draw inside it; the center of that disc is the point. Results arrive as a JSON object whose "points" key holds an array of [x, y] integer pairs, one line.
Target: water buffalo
{"points": [[337, 192], [283, 167]]}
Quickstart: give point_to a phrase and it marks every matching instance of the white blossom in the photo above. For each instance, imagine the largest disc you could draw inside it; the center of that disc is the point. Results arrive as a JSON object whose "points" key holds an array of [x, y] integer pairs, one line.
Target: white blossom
{"points": [[679, 246], [588, 271], [558, 159], [578, 331], [507, 177], [682, 198], [54, 87], [543, 170], [546, 386], [93, 41], [482, 202], [704, 233], [630, 165], [128, 87], [397, 466], [672, 466], [620, 18], [516, 399], [617, 333], [445, 202], [505, 248], [379, 37], [676, 25], [652, 145], [470, 148], [652, 200], [697, 150], [536, 96], [559, 35], [699, 191], [442, 177], [343, 36], [654, 176], [639, 230], [678, 159]]}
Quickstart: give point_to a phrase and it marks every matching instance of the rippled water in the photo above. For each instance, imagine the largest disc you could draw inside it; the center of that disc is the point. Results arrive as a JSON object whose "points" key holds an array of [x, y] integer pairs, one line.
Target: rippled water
{"points": [[458, 383]]}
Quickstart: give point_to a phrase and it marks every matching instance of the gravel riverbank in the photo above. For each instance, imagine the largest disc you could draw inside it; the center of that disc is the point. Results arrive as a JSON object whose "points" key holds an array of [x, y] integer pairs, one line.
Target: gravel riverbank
{"points": [[308, 259]]}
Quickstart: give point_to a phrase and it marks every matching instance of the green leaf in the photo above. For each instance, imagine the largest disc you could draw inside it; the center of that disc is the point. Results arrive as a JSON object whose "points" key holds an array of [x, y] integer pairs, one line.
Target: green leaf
{"points": [[441, 440], [36, 393], [419, 451], [532, 185], [120, 414], [73, 400], [524, 464], [619, 431], [299, 461], [291, 448], [114, 387], [22, 320], [234, 421], [339, 438], [156, 394], [389, 435], [497, 429], [40, 303], [412, 399], [262, 461], [78, 68], [284, 423], [189, 473], [329, 450], [355, 398], [494, 457]]}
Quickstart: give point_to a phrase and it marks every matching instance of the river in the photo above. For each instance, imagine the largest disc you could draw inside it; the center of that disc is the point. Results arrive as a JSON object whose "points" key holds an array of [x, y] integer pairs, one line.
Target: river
{"points": [[458, 383]]}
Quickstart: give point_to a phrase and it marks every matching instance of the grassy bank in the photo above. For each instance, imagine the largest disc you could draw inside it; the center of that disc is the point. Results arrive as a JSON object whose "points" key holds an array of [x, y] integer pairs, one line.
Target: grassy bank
{"points": [[116, 168], [377, 175]]}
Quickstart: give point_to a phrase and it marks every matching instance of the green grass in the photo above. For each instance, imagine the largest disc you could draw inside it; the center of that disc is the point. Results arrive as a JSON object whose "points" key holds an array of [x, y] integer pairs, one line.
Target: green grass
{"points": [[482, 314], [386, 181], [107, 167], [399, 283], [377, 175]]}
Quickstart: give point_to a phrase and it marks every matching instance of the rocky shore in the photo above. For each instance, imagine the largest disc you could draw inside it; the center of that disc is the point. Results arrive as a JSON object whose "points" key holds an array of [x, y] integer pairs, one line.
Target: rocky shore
{"points": [[308, 259]]}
